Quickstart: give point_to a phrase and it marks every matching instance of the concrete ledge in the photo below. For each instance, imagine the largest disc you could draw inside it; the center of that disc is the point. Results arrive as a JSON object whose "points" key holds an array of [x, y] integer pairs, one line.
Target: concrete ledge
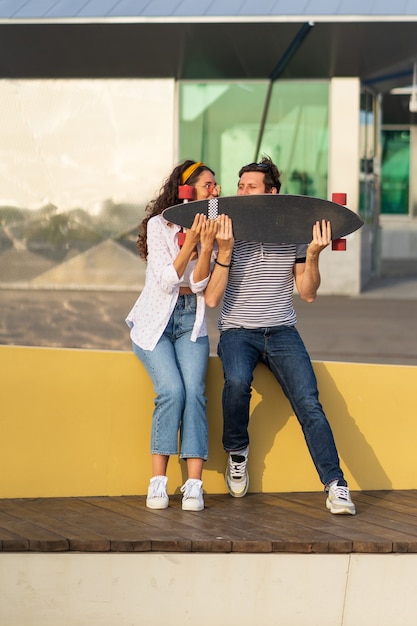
{"points": [[153, 589], [77, 423]]}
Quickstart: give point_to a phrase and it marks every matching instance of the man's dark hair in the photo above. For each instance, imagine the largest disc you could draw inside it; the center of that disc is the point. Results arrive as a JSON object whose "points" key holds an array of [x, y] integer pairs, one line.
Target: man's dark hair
{"points": [[270, 171]]}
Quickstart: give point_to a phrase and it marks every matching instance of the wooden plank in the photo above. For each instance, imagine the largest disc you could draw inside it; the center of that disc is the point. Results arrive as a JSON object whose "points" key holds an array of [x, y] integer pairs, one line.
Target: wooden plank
{"points": [[91, 528], [394, 502], [211, 545], [365, 537], [56, 515], [198, 526], [389, 516], [187, 525], [285, 531], [25, 535], [223, 518], [160, 527], [259, 523], [10, 542]]}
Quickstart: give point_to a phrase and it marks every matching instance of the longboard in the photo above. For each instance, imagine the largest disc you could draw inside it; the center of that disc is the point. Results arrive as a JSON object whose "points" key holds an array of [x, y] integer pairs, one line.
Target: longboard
{"points": [[270, 218]]}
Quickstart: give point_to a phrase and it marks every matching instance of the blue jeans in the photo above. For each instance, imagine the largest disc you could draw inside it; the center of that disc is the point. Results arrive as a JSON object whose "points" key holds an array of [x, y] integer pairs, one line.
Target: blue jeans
{"points": [[177, 367], [282, 350]]}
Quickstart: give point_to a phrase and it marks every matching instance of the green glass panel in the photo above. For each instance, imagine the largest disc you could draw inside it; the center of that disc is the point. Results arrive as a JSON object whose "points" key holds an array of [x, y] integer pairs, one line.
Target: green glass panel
{"points": [[296, 135], [395, 167], [220, 124]]}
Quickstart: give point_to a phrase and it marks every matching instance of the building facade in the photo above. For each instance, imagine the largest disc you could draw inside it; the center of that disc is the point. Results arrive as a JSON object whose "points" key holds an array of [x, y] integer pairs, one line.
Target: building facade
{"points": [[99, 100]]}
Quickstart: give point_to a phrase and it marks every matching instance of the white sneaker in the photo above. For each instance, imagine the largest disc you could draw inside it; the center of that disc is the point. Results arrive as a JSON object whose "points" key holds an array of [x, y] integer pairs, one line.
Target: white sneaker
{"points": [[237, 477], [339, 500], [157, 493], [192, 499]]}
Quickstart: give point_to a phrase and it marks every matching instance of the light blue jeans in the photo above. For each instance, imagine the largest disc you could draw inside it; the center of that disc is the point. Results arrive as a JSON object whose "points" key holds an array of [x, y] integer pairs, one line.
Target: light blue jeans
{"points": [[177, 367]]}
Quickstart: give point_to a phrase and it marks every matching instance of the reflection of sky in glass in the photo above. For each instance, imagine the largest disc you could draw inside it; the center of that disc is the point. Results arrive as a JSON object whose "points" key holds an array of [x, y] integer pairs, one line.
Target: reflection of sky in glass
{"points": [[76, 143], [79, 160]]}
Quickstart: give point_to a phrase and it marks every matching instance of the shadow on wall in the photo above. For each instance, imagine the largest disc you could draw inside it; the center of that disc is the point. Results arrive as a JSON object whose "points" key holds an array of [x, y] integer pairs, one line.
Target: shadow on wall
{"points": [[106, 417], [279, 459]]}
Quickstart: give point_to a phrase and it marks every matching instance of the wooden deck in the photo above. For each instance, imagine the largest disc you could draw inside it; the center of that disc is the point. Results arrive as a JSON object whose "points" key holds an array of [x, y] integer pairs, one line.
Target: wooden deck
{"points": [[386, 522]]}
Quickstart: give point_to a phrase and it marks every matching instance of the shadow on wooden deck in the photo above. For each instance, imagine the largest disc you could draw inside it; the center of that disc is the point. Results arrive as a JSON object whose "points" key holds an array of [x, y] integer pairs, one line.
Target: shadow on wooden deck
{"points": [[386, 522]]}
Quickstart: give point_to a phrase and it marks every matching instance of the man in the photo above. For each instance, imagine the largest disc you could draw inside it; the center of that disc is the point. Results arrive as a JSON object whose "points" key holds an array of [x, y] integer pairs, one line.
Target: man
{"points": [[257, 324]]}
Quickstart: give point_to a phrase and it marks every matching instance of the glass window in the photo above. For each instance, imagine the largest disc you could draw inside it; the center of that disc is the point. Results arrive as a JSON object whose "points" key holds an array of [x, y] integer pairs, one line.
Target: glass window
{"points": [[368, 207], [395, 168], [80, 160], [220, 124]]}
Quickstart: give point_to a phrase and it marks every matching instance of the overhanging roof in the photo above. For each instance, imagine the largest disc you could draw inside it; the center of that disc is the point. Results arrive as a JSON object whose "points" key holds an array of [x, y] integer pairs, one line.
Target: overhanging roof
{"points": [[375, 40], [205, 9]]}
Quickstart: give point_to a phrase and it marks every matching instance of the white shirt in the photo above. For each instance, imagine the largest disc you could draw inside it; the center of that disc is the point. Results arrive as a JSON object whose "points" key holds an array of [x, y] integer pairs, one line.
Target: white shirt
{"points": [[151, 312]]}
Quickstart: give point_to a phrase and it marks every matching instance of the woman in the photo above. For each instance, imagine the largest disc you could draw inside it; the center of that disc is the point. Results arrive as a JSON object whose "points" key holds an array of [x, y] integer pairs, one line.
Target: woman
{"points": [[169, 332]]}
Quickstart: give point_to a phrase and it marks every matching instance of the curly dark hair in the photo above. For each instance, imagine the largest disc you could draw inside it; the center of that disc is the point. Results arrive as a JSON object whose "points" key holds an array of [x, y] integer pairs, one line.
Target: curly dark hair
{"points": [[168, 196], [270, 171]]}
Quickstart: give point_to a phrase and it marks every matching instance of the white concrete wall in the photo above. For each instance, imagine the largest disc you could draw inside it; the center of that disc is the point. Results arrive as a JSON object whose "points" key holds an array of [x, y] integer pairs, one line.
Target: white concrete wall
{"points": [[150, 589], [340, 271]]}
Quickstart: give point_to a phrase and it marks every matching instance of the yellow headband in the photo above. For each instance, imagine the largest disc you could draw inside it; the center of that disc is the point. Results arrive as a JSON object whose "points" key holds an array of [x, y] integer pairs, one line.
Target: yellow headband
{"points": [[190, 171]]}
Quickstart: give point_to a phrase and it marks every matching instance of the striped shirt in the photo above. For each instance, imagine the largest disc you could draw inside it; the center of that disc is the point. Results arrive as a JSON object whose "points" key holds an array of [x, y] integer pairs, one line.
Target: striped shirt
{"points": [[260, 288]]}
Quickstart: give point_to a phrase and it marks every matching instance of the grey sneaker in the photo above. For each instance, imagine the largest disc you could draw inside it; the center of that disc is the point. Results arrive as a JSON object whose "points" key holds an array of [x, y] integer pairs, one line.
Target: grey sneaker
{"points": [[192, 499], [237, 477], [157, 493], [338, 499]]}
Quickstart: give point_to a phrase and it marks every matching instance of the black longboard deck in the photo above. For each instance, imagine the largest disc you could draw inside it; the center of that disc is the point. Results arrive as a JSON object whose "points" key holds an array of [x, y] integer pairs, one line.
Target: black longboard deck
{"points": [[270, 218]]}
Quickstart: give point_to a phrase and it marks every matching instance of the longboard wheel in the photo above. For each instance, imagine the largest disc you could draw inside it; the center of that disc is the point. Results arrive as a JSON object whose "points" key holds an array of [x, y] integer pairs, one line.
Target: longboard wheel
{"points": [[181, 238], [185, 192], [339, 198], [339, 244]]}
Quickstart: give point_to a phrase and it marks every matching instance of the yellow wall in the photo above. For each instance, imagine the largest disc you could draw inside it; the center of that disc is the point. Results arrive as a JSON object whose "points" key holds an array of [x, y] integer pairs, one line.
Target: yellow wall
{"points": [[77, 422]]}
